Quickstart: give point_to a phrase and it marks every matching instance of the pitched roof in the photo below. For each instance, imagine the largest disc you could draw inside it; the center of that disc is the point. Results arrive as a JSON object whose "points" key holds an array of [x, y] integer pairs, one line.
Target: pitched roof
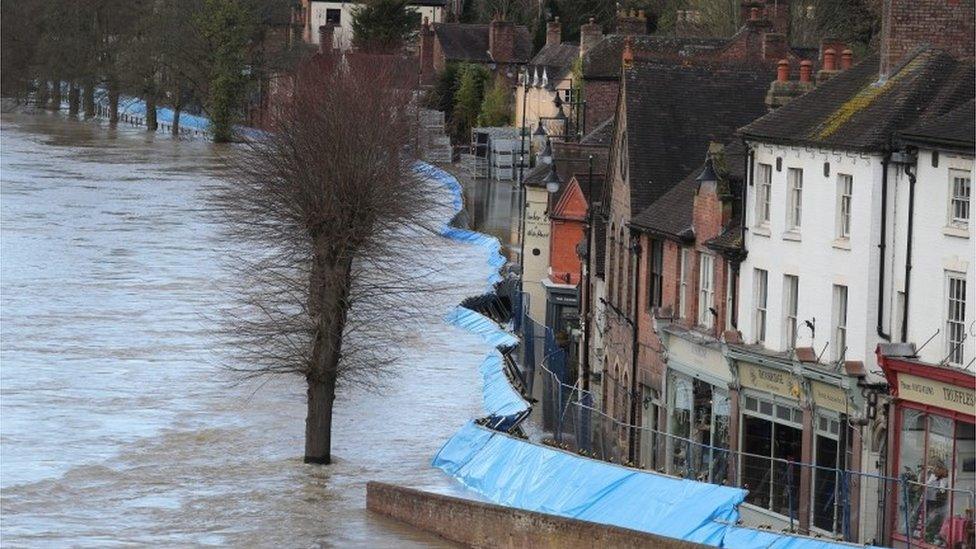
{"points": [[675, 110], [955, 129], [557, 59], [469, 42], [853, 110], [603, 59], [600, 135], [672, 214], [586, 188]]}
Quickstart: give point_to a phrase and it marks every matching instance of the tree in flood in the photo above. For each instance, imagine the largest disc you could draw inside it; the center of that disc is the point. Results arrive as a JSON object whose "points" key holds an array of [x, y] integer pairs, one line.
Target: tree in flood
{"points": [[326, 206]]}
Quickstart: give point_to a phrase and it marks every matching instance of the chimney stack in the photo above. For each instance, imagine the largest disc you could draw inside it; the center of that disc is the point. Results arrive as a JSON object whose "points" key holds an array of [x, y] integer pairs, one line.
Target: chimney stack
{"points": [[325, 38], [907, 24], [501, 40], [554, 32], [830, 60], [783, 90], [590, 35], [632, 22]]}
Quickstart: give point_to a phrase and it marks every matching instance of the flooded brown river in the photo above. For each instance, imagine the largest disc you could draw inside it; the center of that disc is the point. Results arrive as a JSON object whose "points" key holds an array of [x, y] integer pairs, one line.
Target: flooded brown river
{"points": [[118, 424]]}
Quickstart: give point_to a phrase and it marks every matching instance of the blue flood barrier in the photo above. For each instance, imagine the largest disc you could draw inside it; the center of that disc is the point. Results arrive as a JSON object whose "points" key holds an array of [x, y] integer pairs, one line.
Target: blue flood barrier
{"points": [[481, 325], [739, 537], [516, 473]]}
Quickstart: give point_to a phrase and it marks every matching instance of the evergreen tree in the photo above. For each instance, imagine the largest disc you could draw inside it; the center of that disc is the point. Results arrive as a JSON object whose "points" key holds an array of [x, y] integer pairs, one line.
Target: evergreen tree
{"points": [[467, 99], [384, 25], [227, 26], [496, 107]]}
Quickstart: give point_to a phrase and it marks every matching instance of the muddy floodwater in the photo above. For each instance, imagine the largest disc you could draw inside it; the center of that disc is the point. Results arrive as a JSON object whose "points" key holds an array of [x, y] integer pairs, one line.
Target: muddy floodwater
{"points": [[119, 424]]}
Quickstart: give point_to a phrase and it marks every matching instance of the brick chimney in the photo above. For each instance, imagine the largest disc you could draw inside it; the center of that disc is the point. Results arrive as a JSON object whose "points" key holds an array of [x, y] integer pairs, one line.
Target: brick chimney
{"points": [[943, 24], [501, 40], [783, 90], [775, 13], [631, 22], [590, 34], [427, 72], [627, 56], [554, 32], [325, 37]]}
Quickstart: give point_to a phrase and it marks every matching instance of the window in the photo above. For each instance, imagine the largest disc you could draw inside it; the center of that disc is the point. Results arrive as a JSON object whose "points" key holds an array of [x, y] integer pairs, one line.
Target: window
{"points": [[845, 189], [764, 186], [611, 262], [794, 181], [839, 346], [655, 282], [333, 16], [829, 456], [791, 289], [935, 459], [960, 192], [699, 427], [759, 295], [706, 290], [730, 284], [683, 282], [771, 438], [955, 317]]}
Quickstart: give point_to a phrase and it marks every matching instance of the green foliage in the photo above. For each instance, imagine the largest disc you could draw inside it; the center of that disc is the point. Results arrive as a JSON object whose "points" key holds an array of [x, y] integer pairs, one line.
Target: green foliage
{"points": [[383, 25], [441, 98], [467, 99], [227, 28], [496, 107]]}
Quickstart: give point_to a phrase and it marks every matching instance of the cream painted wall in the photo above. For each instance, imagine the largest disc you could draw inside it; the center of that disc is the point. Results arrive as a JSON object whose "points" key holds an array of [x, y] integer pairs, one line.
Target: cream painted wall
{"points": [[342, 38], [536, 239]]}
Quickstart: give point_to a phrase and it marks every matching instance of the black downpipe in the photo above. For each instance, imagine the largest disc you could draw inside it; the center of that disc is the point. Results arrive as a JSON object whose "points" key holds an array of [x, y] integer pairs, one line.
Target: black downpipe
{"points": [[909, 170], [632, 446], [883, 244]]}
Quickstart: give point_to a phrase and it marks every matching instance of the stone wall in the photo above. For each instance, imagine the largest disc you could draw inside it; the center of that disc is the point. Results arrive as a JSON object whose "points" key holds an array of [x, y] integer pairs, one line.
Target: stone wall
{"points": [[479, 524]]}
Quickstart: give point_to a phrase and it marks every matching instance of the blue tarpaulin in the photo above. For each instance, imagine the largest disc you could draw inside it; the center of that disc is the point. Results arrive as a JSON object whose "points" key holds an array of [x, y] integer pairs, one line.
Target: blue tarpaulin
{"points": [[516, 473], [748, 538]]}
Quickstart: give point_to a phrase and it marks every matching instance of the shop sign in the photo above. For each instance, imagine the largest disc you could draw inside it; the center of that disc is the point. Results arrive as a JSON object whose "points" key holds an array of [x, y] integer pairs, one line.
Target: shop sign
{"points": [[829, 396], [936, 393], [699, 357], [776, 382]]}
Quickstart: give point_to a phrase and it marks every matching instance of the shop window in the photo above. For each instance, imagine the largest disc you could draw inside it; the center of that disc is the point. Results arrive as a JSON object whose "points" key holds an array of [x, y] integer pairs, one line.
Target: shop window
{"points": [[936, 459], [771, 442], [698, 428], [829, 458], [682, 399]]}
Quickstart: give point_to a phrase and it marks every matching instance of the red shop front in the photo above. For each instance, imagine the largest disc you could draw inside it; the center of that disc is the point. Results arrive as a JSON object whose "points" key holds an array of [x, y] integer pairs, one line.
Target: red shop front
{"points": [[932, 453]]}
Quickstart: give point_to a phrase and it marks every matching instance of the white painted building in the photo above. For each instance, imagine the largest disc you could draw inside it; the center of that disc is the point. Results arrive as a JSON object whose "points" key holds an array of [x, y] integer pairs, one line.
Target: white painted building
{"points": [[340, 14]]}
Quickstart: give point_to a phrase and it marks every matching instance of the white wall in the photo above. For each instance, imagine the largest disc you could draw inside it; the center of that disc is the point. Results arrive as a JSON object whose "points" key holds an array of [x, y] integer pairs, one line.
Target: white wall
{"points": [[814, 254], [342, 38], [537, 229], [936, 248]]}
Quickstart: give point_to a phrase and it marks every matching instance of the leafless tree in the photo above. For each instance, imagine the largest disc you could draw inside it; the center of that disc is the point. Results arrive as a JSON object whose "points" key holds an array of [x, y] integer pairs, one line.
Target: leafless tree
{"points": [[329, 206]]}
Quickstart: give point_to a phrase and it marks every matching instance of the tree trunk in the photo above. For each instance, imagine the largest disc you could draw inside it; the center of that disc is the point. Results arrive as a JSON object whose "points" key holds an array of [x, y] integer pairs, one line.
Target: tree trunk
{"points": [[329, 285], [113, 103], [175, 128], [151, 124], [318, 423], [55, 104], [88, 99], [43, 95], [74, 99]]}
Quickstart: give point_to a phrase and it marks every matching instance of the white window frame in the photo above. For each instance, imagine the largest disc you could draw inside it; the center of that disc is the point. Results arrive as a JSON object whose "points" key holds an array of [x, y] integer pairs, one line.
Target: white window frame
{"points": [[764, 189], [706, 289], [955, 317], [960, 199], [760, 295], [729, 296], [683, 283], [791, 294], [839, 322], [794, 187], [845, 194]]}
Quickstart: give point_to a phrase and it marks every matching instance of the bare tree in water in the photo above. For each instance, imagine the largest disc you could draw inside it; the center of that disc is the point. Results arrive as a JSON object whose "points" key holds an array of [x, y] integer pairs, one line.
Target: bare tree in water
{"points": [[330, 207]]}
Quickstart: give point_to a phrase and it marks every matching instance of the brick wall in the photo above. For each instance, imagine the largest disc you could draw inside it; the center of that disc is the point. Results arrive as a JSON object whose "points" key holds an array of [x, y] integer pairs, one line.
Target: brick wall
{"points": [[479, 524], [945, 24], [601, 101]]}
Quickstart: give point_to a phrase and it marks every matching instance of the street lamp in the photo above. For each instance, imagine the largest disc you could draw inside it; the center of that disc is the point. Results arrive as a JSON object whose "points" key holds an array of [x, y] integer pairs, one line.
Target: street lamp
{"points": [[552, 180]]}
